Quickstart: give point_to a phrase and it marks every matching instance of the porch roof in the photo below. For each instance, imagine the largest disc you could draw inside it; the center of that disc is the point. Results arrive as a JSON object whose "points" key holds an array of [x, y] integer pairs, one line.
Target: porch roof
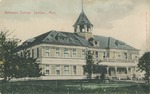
{"points": [[119, 64]]}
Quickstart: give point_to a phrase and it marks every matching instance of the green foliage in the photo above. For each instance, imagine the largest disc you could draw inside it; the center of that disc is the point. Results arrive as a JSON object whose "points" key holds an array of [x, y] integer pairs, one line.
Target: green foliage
{"points": [[13, 64], [26, 66], [89, 67], [7, 55], [63, 86], [144, 65]]}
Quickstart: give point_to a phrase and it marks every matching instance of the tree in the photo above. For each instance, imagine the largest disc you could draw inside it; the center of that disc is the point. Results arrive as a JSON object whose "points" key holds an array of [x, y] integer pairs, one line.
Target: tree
{"points": [[102, 77], [103, 72], [144, 65], [15, 65], [7, 55], [89, 67], [26, 66]]}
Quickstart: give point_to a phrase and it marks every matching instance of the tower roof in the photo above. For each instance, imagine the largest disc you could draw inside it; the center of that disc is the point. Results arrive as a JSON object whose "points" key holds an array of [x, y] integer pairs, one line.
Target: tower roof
{"points": [[82, 20]]}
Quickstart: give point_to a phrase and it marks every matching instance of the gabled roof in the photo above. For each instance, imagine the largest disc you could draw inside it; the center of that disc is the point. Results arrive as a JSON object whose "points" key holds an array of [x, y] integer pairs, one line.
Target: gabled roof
{"points": [[82, 20], [72, 39]]}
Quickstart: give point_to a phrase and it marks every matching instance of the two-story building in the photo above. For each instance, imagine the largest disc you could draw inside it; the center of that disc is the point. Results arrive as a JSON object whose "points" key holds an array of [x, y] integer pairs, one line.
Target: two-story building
{"points": [[61, 55]]}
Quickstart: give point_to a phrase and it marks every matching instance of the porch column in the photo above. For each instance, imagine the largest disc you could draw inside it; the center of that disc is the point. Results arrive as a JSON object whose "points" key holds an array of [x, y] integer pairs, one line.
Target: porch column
{"points": [[116, 71], [129, 73], [131, 70], [115, 56], [127, 70], [107, 74], [107, 70], [118, 77]]}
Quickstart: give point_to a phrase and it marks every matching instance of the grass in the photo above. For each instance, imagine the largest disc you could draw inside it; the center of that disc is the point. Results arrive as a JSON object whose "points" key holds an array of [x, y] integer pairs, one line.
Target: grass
{"points": [[72, 87]]}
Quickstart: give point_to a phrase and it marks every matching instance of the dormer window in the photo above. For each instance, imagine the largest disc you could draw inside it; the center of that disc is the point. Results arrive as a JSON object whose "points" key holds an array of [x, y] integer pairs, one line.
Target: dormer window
{"points": [[119, 43], [96, 43], [28, 41]]}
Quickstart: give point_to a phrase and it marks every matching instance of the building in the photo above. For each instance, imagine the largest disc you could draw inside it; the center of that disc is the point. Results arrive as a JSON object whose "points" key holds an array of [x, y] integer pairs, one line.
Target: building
{"points": [[62, 54]]}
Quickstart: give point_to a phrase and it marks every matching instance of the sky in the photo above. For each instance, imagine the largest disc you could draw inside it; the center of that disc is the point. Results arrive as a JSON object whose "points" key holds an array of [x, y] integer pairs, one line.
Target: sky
{"points": [[124, 20]]}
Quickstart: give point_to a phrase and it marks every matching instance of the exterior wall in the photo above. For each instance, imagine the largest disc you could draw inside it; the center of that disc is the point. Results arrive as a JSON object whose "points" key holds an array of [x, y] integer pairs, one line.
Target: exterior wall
{"points": [[52, 51], [119, 55], [62, 75], [111, 55], [103, 54], [52, 60], [53, 71]]}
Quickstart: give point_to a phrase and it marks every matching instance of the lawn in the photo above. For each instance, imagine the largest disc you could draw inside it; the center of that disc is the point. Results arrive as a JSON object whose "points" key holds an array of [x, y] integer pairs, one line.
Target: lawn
{"points": [[72, 87]]}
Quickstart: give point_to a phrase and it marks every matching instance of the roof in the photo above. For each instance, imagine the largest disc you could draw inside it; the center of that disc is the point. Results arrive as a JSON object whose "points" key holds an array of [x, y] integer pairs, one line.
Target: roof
{"points": [[73, 39], [56, 37], [111, 43], [118, 64], [82, 20]]}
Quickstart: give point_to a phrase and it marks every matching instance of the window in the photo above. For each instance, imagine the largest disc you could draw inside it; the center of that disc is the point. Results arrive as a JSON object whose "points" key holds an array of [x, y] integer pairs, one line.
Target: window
{"points": [[95, 42], [32, 53], [37, 52], [57, 70], [125, 55], [66, 70], [104, 55], [119, 56], [74, 70], [66, 53], [57, 52], [136, 57], [122, 70], [47, 52], [96, 54], [47, 70], [83, 53], [108, 54], [74, 53]]}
